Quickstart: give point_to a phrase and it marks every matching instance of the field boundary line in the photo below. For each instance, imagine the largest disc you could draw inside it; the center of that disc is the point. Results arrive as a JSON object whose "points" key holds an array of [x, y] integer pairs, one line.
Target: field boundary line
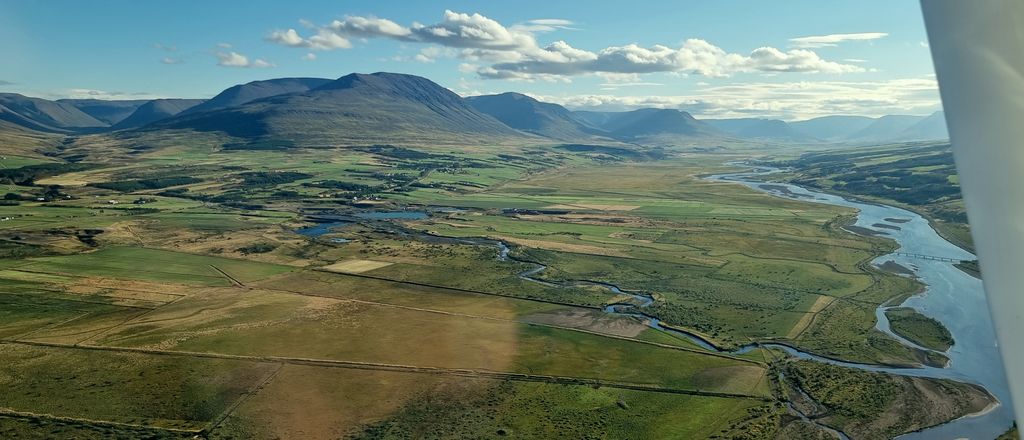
{"points": [[457, 289], [518, 321], [229, 277], [444, 371], [243, 398], [79, 420]]}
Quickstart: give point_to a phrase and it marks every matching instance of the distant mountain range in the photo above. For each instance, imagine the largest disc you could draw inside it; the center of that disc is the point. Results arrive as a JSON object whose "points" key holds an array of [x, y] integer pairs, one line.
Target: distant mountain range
{"points": [[397, 108]]}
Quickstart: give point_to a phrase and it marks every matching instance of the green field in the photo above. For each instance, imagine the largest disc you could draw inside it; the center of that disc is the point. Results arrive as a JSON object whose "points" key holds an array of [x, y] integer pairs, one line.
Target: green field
{"points": [[165, 293]]}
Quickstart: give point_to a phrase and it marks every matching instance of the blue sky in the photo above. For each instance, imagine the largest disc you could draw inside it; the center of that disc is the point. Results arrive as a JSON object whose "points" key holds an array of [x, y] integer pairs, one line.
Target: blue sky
{"points": [[786, 59]]}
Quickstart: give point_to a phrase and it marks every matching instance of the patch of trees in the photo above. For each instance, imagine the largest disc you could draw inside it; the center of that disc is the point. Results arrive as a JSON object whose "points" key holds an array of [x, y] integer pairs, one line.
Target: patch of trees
{"points": [[144, 184], [28, 174], [337, 184], [260, 145], [265, 178], [257, 248]]}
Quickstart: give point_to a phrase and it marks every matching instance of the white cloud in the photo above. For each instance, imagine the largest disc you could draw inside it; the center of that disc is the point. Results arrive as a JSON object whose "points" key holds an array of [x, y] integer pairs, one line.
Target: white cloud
{"points": [[368, 27], [790, 101], [545, 25], [324, 39], [80, 93], [224, 45], [309, 56], [171, 60], [830, 40], [693, 57], [235, 59], [513, 52]]}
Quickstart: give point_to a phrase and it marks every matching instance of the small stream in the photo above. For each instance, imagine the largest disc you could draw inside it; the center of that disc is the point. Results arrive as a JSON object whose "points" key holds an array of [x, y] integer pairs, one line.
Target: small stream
{"points": [[951, 297]]}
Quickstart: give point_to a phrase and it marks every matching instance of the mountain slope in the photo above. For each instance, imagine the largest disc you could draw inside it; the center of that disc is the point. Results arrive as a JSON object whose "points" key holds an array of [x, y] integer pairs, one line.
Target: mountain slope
{"points": [[44, 115], [932, 127], [762, 129], [884, 129], [155, 110], [649, 122], [832, 127], [357, 109], [110, 112], [248, 92], [525, 113]]}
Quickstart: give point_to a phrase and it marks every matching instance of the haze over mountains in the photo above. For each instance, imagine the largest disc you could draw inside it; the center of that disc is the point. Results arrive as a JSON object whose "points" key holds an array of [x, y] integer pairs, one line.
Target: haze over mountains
{"points": [[396, 108]]}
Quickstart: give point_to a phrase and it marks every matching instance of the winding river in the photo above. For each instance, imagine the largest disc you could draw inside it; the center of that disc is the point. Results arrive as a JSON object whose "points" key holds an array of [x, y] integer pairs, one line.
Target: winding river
{"points": [[951, 296]]}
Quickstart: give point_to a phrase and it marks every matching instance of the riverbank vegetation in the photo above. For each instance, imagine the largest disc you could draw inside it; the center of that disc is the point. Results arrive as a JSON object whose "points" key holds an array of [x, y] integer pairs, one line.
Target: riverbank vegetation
{"points": [[869, 405], [161, 283], [919, 177], [919, 329]]}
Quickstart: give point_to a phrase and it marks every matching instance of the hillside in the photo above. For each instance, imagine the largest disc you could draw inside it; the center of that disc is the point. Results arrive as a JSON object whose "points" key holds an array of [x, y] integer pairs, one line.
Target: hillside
{"points": [[357, 109], [44, 115], [525, 113], [832, 128], [109, 111], [156, 110], [760, 129], [659, 127], [248, 92]]}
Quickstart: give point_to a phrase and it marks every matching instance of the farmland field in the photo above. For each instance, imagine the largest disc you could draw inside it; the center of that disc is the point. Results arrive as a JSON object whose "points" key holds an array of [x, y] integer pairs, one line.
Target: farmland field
{"points": [[459, 294]]}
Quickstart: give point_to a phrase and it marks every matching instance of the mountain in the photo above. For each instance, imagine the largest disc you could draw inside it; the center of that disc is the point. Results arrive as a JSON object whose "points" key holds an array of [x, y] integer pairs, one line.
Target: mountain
{"points": [[155, 110], [109, 112], [884, 129], [248, 92], [832, 127], [932, 127], [525, 113], [44, 115], [759, 129], [593, 118], [649, 122], [357, 109]]}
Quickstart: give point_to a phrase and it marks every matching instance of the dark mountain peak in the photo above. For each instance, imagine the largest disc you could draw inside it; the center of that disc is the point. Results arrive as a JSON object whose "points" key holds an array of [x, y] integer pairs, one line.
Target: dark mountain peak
{"points": [[356, 109], [251, 91], [652, 121], [156, 110], [759, 128], [525, 113], [45, 115]]}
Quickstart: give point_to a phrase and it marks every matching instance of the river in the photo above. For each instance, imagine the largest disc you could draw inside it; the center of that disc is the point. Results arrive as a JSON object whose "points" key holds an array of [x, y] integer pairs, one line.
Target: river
{"points": [[952, 297]]}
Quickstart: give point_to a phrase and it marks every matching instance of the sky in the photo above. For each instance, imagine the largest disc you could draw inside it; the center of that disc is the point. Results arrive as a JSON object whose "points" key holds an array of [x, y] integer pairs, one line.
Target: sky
{"points": [[791, 60]]}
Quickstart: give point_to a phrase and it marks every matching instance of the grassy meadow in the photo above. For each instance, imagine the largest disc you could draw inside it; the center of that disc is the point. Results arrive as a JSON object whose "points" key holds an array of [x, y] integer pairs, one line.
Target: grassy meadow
{"points": [[160, 289]]}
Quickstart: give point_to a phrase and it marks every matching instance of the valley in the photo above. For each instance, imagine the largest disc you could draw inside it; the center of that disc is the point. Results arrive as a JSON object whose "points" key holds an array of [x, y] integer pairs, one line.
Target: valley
{"points": [[245, 271]]}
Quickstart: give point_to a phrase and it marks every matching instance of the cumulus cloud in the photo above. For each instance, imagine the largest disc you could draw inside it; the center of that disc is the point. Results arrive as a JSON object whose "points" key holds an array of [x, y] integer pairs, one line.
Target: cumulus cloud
{"points": [[80, 93], [514, 53], [171, 60], [310, 56], [324, 39], [235, 59], [545, 25], [788, 100], [814, 41], [693, 57]]}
